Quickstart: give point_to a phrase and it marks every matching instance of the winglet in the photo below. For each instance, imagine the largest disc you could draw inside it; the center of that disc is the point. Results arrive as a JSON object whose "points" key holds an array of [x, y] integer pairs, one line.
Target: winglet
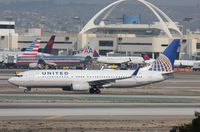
{"points": [[136, 71]]}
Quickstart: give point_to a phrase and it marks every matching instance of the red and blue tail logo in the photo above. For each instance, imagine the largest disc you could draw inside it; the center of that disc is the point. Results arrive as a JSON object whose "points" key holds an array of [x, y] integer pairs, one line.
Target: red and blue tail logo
{"points": [[48, 48], [91, 51], [34, 45], [33, 49], [165, 62]]}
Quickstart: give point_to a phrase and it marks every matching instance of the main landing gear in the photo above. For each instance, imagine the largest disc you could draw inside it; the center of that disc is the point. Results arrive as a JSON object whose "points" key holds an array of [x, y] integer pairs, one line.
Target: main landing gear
{"points": [[27, 90], [95, 91]]}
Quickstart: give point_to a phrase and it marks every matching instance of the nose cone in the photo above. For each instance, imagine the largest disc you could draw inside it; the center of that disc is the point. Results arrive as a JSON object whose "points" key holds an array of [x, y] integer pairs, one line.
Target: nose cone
{"points": [[12, 80]]}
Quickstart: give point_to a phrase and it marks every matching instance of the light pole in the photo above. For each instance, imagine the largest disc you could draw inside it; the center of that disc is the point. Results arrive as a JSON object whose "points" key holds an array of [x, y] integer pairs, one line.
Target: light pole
{"points": [[188, 19], [78, 19]]}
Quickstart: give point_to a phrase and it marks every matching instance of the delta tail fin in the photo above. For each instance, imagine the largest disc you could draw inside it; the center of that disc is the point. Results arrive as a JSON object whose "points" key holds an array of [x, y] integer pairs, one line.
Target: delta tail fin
{"points": [[145, 56], [49, 46], [165, 62]]}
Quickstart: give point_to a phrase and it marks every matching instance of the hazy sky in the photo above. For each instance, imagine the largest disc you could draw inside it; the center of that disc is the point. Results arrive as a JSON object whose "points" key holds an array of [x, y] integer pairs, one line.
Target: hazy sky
{"points": [[160, 2]]}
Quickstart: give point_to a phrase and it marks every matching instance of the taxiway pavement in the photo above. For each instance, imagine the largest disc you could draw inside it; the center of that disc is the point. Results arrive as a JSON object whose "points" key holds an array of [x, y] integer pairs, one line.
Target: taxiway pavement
{"points": [[97, 111]]}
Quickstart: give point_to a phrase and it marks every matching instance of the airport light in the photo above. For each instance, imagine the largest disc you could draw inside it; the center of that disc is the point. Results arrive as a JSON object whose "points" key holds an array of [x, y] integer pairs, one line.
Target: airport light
{"points": [[187, 19]]}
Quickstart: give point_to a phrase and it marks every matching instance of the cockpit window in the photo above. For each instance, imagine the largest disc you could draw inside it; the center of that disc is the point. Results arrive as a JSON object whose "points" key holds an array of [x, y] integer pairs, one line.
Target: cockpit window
{"points": [[19, 75]]}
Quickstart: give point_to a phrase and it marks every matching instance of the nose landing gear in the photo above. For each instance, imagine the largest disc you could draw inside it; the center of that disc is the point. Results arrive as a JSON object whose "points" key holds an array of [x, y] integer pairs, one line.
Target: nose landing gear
{"points": [[27, 90]]}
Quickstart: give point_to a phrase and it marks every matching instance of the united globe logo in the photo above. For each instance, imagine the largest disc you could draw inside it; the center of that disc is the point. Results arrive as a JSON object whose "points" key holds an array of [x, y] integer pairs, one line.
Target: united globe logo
{"points": [[162, 64]]}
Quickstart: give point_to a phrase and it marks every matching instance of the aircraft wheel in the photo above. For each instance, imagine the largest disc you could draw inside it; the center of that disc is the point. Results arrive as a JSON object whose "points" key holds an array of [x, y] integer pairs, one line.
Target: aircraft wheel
{"points": [[25, 90], [97, 91], [29, 89], [92, 90]]}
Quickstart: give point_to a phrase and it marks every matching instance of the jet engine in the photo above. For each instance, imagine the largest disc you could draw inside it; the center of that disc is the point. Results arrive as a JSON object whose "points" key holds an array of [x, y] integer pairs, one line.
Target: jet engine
{"points": [[41, 64], [77, 86], [80, 86]]}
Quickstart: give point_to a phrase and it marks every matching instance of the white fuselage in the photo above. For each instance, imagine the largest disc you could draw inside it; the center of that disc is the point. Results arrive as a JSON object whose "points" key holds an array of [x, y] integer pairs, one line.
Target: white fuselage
{"points": [[120, 60], [185, 63], [65, 78], [178, 63]]}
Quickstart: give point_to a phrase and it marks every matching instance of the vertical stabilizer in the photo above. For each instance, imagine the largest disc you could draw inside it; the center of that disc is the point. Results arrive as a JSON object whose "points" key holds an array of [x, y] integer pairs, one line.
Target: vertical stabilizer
{"points": [[165, 62], [34, 47], [49, 46]]}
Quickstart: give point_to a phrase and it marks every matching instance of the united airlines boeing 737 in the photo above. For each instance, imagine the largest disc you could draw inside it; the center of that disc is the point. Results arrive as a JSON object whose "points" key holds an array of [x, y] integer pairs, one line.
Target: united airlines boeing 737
{"points": [[94, 80]]}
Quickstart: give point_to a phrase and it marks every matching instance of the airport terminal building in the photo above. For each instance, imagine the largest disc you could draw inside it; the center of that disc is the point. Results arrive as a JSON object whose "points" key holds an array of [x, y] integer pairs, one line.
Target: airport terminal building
{"points": [[130, 36]]}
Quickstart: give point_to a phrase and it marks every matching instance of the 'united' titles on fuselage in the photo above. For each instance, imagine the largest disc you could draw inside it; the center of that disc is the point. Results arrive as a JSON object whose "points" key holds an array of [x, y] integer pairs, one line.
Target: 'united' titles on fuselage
{"points": [[94, 80]]}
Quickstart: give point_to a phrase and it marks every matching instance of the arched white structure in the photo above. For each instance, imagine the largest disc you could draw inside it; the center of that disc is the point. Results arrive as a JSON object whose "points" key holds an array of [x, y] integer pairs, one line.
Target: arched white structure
{"points": [[91, 24], [171, 24], [164, 25]]}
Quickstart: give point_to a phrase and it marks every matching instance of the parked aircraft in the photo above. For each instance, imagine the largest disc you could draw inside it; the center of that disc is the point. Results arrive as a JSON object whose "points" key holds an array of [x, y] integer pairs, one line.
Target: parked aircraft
{"points": [[33, 50], [114, 61], [54, 61], [120, 59], [48, 48], [94, 80], [177, 63], [41, 64]]}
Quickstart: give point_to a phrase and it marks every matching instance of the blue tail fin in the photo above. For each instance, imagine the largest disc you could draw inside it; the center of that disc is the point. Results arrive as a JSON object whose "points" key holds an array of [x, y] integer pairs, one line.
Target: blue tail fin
{"points": [[171, 51], [165, 62]]}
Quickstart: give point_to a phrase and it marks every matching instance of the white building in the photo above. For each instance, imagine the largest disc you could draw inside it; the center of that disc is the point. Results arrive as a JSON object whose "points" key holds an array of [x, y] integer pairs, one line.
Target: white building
{"points": [[130, 37], [8, 37]]}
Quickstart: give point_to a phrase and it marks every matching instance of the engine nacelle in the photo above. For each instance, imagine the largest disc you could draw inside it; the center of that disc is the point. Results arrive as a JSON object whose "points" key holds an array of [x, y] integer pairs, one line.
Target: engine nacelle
{"points": [[33, 65], [80, 86], [36, 66]]}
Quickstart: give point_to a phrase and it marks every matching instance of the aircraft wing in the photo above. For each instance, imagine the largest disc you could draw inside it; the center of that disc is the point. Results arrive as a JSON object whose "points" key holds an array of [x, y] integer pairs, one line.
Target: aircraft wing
{"points": [[102, 82]]}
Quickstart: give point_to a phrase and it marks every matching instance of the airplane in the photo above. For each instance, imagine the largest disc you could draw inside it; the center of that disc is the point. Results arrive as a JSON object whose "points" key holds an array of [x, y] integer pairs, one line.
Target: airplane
{"points": [[120, 59], [52, 62], [117, 61], [41, 64], [48, 48], [94, 80], [88, 51], [33, 49], [177, 63], [185, 63], [9, 58]]}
